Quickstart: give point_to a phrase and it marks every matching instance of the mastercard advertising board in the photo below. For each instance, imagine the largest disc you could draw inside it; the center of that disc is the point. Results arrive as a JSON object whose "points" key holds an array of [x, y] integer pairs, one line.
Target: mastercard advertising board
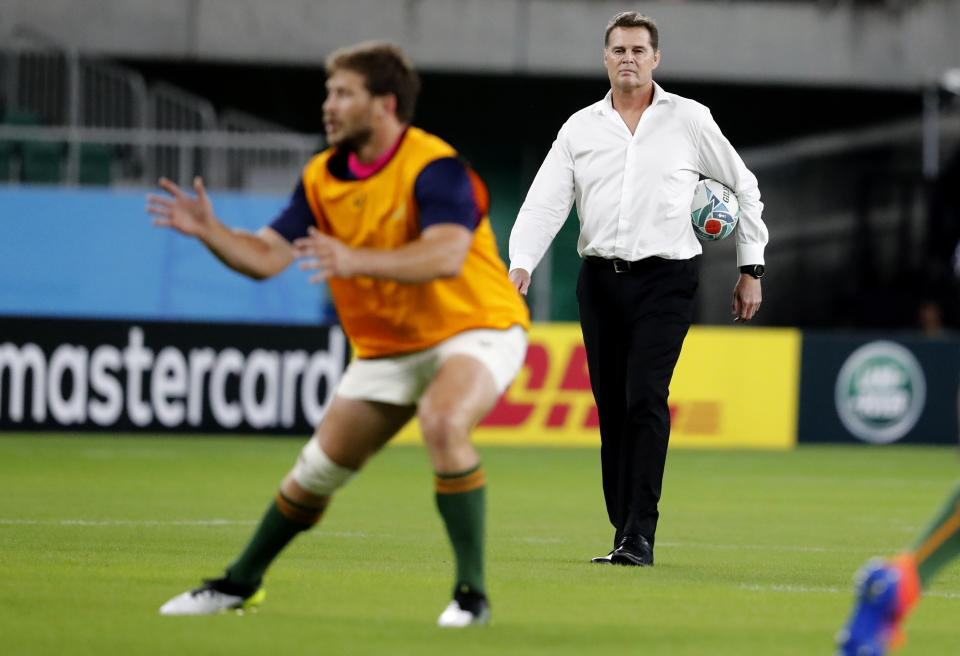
{"points": [[733, 387]]}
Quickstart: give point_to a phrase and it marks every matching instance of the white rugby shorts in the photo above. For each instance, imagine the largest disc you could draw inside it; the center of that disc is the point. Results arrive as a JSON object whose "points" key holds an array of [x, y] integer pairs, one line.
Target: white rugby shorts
{"points": [[402, 379]]}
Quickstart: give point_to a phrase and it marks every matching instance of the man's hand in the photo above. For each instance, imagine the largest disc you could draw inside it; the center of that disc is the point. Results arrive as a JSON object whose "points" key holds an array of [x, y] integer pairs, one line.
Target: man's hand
{"points": [[188, 215], [521, 280], [332, 257], [746, 298]]}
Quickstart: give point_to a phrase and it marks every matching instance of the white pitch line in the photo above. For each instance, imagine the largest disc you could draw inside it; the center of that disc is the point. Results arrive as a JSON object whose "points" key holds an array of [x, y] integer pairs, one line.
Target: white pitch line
{"points": [[770, 547], [129, 522], [354, 534], [788, 588], [245, 522], [829, 590], [220, 522], [533, 539]]}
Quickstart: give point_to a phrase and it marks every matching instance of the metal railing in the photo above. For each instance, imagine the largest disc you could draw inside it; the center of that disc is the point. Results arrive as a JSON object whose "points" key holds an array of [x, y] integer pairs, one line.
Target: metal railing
{"points": [[246, 168], [173, 110], [179, 155], [73, 119]]}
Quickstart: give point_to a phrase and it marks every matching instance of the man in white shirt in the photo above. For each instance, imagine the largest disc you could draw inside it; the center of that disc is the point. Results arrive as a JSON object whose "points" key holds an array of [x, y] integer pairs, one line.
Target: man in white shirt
{"points": [[631, 162]]}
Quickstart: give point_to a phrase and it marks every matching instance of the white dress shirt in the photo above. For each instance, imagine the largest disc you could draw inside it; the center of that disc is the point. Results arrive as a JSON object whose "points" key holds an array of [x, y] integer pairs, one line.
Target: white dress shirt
{"points": [[633, 191]]}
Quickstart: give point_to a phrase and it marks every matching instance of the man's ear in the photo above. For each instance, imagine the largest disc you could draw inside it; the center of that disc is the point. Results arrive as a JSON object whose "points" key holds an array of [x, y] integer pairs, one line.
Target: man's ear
{"points": [[386, 104]]}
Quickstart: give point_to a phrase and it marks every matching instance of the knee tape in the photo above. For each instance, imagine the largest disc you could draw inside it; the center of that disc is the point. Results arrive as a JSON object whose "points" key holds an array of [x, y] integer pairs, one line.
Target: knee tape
{"points": [[318, 474]]}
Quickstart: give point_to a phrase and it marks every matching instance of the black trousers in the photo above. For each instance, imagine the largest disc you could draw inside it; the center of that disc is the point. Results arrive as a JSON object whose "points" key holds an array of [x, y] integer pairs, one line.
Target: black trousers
{"points": [[634, 323]]}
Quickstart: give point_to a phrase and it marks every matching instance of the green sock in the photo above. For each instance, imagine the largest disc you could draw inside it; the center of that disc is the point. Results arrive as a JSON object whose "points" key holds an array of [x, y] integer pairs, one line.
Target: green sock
{"points": [[940, 541], [461, 500], [280, 524]]}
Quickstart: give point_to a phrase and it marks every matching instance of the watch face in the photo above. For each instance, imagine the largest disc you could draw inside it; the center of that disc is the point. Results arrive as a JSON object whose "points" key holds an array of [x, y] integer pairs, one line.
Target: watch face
{"points": [[758, 271]]}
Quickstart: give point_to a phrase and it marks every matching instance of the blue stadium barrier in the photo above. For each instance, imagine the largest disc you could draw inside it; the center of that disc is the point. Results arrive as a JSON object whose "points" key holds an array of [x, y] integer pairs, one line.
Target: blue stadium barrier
{"points": [[94, 253]]}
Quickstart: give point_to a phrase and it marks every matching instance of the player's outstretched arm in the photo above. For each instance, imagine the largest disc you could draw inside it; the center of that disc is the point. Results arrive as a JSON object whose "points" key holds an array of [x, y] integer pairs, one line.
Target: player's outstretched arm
{"points": [[259, 256], [438, 253]]}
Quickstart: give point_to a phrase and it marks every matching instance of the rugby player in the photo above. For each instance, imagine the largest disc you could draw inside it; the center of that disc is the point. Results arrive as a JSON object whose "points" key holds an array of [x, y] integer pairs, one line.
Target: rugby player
{"points": [[395, 222]]}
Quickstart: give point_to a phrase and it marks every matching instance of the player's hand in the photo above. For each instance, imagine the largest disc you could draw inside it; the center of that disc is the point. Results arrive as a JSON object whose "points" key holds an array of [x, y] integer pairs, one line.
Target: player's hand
{"points": [[330, 256], [521, 280], [746, 298], [189, 215]]}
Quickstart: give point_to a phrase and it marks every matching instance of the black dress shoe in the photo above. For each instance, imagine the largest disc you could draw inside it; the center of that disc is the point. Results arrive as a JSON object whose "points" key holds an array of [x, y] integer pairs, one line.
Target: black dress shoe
{"points": [[633, 550], [602, 560]]}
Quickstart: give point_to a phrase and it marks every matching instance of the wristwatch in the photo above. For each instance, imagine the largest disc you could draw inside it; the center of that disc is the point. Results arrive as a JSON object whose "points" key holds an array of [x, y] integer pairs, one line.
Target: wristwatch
{"points": [[755, 270]]}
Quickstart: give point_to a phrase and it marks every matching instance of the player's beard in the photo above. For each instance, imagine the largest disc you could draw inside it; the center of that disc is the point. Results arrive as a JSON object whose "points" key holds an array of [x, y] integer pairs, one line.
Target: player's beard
{"points": [[355, 140]]}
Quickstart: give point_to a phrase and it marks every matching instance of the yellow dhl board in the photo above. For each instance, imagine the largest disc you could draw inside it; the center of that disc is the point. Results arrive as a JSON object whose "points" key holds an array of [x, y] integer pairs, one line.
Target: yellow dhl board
{"points": [[733, 387]]}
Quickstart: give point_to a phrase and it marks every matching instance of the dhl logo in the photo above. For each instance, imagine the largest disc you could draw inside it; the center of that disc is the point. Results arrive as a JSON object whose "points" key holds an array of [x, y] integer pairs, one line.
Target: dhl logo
{"points": [[553, 391]]}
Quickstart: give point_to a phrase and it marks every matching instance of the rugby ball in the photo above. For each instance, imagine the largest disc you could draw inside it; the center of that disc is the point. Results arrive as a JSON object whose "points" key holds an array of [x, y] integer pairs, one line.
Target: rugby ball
{"points": [[714, 211]]}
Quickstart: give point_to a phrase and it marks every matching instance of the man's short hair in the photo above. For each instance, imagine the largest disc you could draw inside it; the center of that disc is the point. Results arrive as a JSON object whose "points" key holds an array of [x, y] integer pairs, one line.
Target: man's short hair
{"points": [[385, 69], [633, 19]]}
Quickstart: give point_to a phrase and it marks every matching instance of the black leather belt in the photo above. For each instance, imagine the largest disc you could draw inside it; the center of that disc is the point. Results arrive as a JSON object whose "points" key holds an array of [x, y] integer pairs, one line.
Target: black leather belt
{"points": [[620, 266]]}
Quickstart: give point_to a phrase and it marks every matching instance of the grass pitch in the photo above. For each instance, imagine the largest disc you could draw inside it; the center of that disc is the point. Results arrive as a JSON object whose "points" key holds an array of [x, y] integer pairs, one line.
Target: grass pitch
{"points": [[754, 553]]}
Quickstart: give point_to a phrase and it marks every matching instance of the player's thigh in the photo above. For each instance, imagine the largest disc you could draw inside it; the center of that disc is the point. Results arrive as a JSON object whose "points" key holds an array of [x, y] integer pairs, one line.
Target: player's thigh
{"points": [[352, 430], [461, 393], [474, 369]]}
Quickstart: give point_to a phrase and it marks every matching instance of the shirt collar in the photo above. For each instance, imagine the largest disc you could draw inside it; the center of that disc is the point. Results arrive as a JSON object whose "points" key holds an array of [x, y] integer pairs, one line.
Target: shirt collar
{"points": [[659, 96]]}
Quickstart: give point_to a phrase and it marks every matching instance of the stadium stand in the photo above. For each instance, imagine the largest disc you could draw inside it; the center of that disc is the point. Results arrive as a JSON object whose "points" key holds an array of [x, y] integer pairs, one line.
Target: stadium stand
{"points": [[76, 119], [868, 180]]}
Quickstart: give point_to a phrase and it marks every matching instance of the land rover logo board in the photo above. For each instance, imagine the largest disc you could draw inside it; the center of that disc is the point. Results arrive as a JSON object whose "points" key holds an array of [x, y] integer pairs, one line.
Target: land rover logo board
{"points": [[878, 390]]}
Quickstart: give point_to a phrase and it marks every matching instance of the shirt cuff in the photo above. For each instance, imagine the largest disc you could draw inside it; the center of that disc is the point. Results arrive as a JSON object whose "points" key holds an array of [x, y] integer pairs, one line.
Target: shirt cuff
{"points": [[749, 254], [525, 262]]}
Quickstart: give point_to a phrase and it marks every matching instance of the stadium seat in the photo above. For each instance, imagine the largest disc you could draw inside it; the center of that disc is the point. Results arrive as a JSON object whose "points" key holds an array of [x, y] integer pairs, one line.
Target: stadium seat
{"points": [[42, 163], [96, 164], [6, 160], [18, 116]]}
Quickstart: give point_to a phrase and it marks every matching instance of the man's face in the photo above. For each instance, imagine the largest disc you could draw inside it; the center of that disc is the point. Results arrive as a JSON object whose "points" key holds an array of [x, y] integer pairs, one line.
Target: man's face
{"points": [[348, 111], [630, 58]]}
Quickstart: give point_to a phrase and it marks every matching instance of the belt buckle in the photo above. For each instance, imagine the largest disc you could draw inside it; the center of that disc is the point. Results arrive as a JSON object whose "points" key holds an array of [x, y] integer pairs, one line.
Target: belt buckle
{"points": [[621, 266]]}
